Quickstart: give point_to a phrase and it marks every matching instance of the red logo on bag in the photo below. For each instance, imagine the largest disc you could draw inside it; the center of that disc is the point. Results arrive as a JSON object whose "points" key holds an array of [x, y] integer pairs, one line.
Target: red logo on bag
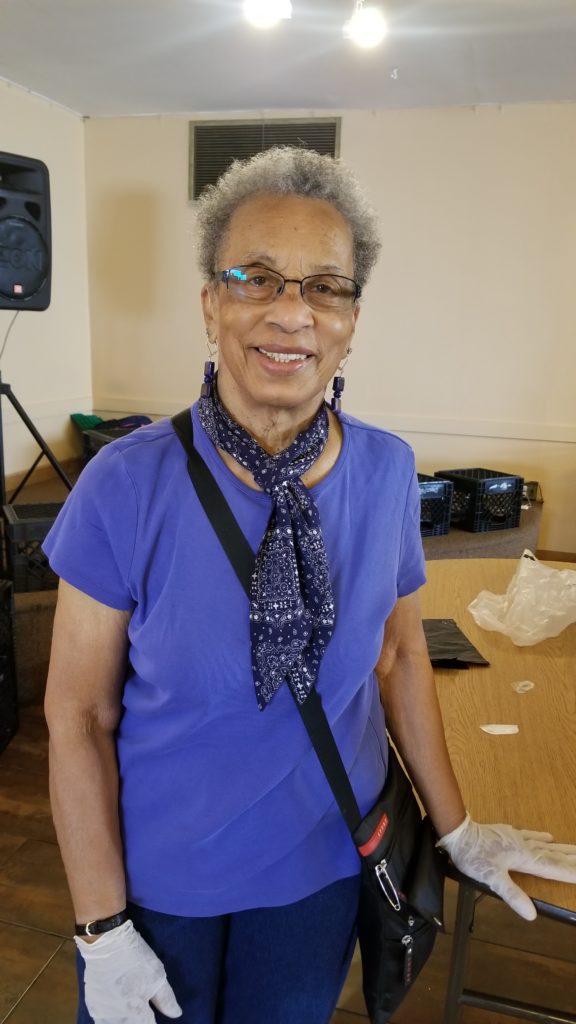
{"points": [[368, 847]]}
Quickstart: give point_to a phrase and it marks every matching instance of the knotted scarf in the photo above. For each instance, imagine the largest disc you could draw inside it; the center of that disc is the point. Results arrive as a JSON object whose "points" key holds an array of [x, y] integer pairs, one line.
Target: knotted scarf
{"points": [[291, 606]]}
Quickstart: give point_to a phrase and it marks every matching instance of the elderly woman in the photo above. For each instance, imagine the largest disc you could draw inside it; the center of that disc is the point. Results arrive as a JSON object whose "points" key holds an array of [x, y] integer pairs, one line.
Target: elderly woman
{"points": [[204, 851]]}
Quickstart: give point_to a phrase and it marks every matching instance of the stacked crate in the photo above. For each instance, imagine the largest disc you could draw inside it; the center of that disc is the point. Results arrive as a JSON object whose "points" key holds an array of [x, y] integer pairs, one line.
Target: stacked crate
{"points": [[8, 690], [484, 499], [95, 438], [24, 568], [25, 527], [435, 505]]}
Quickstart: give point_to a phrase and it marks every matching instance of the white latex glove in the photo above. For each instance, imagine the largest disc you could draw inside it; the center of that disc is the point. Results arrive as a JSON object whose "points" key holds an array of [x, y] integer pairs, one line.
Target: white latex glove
{"points": [[122, 977], [487, 853]]}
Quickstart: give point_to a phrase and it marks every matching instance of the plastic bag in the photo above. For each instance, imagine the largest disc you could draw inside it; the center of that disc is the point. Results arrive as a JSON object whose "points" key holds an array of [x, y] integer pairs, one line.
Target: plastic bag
{"points": [[539, 603]]}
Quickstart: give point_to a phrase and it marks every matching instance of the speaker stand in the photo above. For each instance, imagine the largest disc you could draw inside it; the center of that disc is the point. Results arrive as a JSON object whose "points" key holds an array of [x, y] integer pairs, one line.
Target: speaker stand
{"points": [[6, 391]]}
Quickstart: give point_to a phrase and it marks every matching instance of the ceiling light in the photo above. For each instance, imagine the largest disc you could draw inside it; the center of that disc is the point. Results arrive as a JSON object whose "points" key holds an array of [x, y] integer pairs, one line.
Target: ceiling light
{"points": [[367, 26], [266, 13]]}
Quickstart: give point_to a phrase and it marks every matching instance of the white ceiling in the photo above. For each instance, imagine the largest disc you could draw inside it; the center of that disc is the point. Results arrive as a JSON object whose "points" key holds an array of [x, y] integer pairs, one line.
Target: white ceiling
{"points": [[121, 57]]}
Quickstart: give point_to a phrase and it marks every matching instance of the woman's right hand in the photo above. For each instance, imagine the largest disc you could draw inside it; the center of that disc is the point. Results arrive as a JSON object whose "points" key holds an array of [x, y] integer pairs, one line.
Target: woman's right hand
{"points": [[123, 976]]}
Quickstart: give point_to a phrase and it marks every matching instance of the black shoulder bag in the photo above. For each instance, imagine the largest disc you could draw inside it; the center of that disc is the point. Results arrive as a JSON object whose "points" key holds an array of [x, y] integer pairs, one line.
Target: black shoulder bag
{"points": [[401, 897]]}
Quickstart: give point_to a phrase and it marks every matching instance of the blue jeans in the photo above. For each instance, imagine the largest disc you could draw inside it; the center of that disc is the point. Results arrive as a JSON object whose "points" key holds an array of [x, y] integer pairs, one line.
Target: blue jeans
{"points": [[277, 965]]}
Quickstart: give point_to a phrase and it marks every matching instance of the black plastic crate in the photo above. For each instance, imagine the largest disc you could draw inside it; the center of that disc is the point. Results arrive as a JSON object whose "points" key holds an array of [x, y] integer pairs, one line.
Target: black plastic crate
{"points": [[96, 437], [25, 527], [435, 505], [484, 499], [8, 689]]}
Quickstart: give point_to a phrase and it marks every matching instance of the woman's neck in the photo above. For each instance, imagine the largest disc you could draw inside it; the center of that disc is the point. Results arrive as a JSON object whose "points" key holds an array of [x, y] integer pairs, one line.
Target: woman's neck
{"points": [[273, 428], [275, 433], [324, 463]]}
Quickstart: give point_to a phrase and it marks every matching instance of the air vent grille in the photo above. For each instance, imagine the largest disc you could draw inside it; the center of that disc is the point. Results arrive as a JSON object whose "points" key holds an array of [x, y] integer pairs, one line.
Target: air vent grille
{"points": [[215, 144]]}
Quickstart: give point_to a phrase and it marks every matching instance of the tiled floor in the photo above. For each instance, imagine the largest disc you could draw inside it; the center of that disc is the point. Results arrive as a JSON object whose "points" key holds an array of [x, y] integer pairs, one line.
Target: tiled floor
{"points": [[533, 962]]}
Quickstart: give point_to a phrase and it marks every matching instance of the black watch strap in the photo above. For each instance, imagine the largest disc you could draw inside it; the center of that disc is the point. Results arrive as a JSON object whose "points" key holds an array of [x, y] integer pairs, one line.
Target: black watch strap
{"points": [[106, 924]]}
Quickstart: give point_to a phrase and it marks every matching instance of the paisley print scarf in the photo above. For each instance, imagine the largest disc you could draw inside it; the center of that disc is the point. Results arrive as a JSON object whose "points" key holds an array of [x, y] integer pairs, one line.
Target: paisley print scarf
{"points": [[292, 607]]}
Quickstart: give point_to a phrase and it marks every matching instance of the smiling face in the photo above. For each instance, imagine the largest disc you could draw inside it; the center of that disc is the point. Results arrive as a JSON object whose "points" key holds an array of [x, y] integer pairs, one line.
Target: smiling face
{"points": [[275, 359]]}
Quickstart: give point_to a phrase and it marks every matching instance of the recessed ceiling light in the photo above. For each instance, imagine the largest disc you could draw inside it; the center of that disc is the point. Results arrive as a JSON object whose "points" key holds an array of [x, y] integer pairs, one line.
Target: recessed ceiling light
{"points": [[367, 26], [266, 13]]}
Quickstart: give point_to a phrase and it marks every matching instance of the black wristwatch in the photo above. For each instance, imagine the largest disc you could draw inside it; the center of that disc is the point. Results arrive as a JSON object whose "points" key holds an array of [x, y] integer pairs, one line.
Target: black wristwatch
{"points": [[106, 924]]}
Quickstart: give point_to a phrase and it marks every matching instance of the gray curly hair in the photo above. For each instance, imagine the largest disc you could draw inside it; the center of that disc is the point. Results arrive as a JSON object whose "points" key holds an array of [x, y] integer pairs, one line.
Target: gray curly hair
{"points": [[286, 170]]}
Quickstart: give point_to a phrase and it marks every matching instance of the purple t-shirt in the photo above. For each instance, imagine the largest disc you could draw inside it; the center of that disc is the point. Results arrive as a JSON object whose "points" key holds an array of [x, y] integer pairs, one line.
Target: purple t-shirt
{"points": [[225, 807]]}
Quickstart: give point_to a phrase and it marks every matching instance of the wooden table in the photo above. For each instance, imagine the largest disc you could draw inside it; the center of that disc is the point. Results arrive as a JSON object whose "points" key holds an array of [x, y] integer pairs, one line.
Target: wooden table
{"points": [[527, 779]]}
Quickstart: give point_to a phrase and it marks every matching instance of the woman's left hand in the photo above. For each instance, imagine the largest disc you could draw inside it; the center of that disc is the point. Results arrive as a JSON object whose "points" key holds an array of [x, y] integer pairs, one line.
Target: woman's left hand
{"points": [[487, 853]]}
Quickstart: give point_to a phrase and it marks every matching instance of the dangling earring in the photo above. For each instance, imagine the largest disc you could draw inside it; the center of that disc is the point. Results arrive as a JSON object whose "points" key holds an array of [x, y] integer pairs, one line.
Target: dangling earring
{"points": [[337, 389], [209, 368], [338, 386], [208, 382]]}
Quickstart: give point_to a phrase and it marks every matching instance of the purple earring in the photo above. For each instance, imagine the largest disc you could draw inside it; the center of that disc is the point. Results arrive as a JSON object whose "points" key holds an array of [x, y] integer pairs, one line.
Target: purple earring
{"points": [[337, 389], [208, 383]]}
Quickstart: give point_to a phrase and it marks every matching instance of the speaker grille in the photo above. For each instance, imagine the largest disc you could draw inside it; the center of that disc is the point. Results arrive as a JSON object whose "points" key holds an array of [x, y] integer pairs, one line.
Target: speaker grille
{"points": [[24, 259], [214, 145], [25, 233]]}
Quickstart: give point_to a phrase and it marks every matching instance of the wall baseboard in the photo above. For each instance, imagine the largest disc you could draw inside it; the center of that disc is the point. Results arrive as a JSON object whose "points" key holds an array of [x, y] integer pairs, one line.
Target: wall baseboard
{"points": [[43, 474], [408, 423]]}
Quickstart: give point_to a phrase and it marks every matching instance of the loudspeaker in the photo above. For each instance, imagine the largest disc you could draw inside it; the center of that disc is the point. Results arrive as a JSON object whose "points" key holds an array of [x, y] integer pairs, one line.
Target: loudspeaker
{"points": [[25, 235]]}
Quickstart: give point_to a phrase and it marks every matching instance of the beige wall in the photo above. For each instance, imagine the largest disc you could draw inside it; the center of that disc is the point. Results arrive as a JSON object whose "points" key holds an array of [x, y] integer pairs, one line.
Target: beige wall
{"points": [[466, 341], [143, 288], [47, 358], [465, 344]]}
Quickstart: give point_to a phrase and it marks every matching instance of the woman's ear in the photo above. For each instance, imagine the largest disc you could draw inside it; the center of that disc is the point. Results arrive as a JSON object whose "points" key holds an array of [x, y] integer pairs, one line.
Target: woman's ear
{"points": [[208, 300]]}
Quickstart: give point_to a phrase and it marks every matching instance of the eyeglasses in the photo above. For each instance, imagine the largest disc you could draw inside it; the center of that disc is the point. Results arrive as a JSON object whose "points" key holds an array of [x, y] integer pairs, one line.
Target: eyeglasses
{"points": [[319, 291]]}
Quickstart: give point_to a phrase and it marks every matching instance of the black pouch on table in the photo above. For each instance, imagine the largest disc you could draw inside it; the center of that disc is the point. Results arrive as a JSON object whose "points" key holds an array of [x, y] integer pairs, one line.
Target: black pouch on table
{"points": [[448, 646]]}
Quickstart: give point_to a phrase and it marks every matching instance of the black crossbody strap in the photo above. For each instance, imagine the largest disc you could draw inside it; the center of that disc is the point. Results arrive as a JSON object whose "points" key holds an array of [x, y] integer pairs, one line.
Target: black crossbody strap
{"points": [[241, 557], [215, 505], [322, 739]]}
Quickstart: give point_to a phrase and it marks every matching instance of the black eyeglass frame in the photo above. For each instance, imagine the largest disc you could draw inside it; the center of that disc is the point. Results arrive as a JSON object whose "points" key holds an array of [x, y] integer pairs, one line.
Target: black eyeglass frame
{"points": [[224, 276]]}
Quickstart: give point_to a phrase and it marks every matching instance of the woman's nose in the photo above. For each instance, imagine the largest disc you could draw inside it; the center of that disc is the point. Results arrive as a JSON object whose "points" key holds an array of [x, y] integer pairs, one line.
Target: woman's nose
{"points": [[289, 306]]}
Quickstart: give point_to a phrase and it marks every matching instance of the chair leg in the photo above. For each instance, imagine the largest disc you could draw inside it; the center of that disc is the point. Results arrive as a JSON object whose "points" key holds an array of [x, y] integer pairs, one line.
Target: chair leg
{"points": [[460, 951]]}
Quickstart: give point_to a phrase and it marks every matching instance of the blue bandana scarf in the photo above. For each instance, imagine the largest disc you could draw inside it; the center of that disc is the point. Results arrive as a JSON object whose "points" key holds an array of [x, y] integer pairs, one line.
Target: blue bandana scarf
{"points": [[291, 606]]}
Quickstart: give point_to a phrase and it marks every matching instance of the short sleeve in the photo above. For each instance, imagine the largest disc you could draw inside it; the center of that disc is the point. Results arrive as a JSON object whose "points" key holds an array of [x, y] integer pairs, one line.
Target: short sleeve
{"points": [[91, 544], [411, 565]]}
